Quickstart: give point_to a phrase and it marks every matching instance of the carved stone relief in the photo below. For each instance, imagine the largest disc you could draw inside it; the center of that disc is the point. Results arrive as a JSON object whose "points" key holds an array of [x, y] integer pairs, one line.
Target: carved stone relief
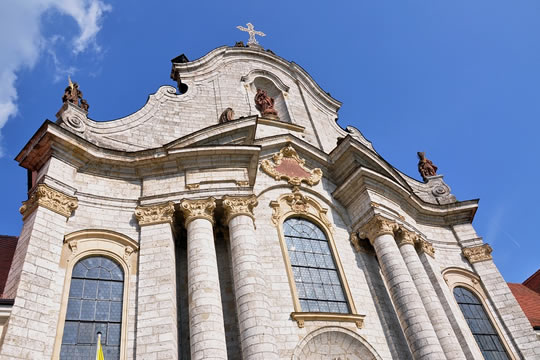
{"points": [[51, 199]]}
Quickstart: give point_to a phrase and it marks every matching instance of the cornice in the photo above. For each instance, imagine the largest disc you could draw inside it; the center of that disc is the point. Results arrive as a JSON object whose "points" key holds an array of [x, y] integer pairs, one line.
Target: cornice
{"points": [[478, 253], [155, 214], [239, 205], [198, 209], [49, 198]]}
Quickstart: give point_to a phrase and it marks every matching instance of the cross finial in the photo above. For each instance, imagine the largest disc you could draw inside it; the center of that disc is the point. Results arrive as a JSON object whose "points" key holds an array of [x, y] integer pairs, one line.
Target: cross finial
{"points": [[252, 32]]}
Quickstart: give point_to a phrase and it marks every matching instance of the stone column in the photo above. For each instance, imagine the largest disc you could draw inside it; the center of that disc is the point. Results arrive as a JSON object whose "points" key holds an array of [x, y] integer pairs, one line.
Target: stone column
{"points": [[206, 327], [36, 280], [157, 329], [412, 315], [256, 333], [406, 242]]}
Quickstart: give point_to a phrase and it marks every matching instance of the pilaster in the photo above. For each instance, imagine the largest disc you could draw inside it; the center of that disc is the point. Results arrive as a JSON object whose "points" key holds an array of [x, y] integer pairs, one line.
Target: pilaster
{"points": [[35, 278], [157, 328]]}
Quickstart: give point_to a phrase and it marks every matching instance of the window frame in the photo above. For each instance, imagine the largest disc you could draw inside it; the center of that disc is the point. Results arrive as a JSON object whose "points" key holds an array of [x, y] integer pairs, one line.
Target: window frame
{"points": [[457, 277], [88, 243], [296, 205]]}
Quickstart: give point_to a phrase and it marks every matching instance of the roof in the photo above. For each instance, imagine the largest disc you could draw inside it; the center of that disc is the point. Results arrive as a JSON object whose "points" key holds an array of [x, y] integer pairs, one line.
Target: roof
{"points": [[529, 301], [533, 282], [7, 250]]}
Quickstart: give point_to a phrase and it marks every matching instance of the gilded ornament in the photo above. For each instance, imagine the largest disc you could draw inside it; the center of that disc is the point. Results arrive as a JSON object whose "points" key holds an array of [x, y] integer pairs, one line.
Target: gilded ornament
{"points": [[239, 205], [155, 214], [297, 203], [424, 246], [51, 199], [478, 253], [289, 166], [404, 236], [198, 209]]}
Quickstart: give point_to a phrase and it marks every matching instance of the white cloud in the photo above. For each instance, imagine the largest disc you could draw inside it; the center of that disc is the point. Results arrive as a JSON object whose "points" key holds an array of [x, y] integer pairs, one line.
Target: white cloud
{"points": [[22, 42]]}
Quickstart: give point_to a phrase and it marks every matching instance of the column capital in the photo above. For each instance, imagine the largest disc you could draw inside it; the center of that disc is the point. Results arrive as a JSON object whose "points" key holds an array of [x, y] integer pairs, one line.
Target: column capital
{"points": [[377, 226], [49, 198], [478, 253], [404, 236], [155, 214], [424, 246], [239, 205], [198, 209]]}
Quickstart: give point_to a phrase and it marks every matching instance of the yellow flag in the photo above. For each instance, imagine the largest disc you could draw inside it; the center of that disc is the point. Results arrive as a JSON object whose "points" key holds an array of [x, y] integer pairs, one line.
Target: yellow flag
{"points": [[99, 352]]}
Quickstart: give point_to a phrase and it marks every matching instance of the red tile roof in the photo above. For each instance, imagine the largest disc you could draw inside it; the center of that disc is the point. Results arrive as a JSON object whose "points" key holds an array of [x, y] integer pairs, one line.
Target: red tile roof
{"points": [[529, 301], [533, 282], [7, 250]]}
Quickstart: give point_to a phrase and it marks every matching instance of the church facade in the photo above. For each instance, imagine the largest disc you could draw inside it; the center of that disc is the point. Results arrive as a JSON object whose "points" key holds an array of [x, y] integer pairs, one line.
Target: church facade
{"points": [[232, 218]]}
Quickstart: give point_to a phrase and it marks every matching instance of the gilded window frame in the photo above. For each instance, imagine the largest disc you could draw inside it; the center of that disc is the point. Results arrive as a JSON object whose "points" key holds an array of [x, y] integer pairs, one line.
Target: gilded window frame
{"points": [[457, 277], [298, 205], [85, 243]]}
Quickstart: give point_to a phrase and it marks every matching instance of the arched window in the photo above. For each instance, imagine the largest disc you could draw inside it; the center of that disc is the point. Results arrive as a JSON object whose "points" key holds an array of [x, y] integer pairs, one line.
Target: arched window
{"points": [[481, 327], [317, 280], [94, 305]]}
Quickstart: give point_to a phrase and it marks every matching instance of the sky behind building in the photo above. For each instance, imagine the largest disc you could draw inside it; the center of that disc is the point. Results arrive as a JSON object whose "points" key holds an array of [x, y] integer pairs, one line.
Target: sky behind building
{"points": [[458, 80]]}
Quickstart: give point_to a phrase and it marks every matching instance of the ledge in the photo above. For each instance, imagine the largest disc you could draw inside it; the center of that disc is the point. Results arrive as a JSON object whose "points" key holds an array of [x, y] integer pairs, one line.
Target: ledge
{"points": [[301, 317], [281, 124]]}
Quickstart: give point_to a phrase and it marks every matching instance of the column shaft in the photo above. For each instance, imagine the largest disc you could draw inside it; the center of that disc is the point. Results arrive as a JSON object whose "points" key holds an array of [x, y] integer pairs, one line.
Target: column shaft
{"points": [[256, 333], [412, 315], [207, 331], [431, 302]]}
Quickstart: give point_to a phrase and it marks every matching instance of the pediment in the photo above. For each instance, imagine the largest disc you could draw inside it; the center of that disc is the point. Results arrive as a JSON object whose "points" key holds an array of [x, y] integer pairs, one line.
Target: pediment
{"points": [[236, 132]]}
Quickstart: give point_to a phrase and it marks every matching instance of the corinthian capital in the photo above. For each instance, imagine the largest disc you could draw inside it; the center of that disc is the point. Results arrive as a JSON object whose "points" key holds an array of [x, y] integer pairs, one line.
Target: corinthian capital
{"points": [[404, 236], [424, 246], [478, 253], [198, 209], [377, 226], [51, 199], [239, 205], [155, 214]]}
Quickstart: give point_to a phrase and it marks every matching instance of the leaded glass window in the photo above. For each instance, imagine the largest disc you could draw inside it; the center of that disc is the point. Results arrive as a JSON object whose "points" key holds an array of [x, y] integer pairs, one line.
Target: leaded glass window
{"points": [[95, 305], [481, 327], [317, 280]]}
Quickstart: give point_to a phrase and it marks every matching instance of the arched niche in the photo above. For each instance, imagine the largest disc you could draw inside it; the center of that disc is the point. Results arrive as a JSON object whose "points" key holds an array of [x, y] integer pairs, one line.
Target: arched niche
{"points": [[334, 343], [275, 88]]}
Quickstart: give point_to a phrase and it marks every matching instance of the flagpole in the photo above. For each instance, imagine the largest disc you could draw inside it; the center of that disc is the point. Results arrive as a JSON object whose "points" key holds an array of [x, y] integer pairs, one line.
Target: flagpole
{"points": [[97, 347]]}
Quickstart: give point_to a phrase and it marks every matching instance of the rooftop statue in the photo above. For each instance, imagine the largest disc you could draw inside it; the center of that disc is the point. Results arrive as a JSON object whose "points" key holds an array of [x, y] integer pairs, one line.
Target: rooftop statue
{"points": [[74, 95], [265, 104], [226, 116], [426, 166]]}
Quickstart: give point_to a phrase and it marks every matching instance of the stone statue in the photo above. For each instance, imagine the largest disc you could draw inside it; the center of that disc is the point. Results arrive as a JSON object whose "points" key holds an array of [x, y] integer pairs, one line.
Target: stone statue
{"points": [[265, 104], [73, 94], [226, 115], [425, 166]]}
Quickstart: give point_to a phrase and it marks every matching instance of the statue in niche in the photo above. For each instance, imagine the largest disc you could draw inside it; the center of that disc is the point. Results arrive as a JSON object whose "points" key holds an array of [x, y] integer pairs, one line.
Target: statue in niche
{"points": [[226, 116], [74, 95], [265, 104], [426, 166]]}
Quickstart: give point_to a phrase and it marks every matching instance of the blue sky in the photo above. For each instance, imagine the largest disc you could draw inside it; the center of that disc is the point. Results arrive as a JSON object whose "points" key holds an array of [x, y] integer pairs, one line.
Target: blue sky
{"points": [[459, 80]]}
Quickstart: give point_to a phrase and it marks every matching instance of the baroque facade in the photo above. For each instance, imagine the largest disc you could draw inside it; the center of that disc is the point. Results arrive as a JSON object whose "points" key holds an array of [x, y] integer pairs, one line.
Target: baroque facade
{"points": [[232, 218]]}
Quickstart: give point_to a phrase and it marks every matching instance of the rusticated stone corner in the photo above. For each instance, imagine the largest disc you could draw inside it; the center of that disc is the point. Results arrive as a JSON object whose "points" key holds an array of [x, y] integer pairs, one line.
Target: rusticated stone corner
{"points": [[51, 199], [155, 214], [198, 209], [478, 253], [239, 205]]}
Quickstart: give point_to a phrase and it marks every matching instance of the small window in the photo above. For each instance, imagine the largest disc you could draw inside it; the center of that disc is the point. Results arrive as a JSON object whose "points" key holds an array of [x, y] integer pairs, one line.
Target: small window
{"points": [[481, 327], [94, 305], [317, 280]]}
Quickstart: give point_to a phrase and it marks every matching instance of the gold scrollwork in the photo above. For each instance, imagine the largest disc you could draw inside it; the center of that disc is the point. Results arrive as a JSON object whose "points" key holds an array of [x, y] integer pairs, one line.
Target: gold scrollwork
{"points": [[51, 199], [298, 203], [239, 205], [289, 166], [155, 214], [198, 209]]}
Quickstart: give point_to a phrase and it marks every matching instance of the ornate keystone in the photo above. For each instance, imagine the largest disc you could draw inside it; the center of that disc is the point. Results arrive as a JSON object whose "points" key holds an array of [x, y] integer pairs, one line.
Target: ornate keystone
{"points": [[424, 246], [478, 253], [198, 209], [239, 205], [377, 226], [51, 199], [155, 214], [289, 166], [404, 236], [297, 203]]}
